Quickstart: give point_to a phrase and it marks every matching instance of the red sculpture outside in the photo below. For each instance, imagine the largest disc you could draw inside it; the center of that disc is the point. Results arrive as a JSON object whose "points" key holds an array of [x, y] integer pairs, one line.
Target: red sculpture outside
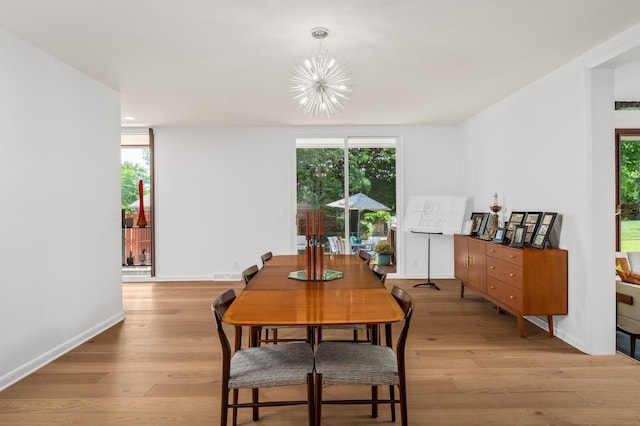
{"points": [[142, 220]]}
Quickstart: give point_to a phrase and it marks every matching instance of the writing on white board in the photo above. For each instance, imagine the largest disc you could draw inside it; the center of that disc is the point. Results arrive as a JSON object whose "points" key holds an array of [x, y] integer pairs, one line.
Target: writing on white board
{"points": [[437, 215]]}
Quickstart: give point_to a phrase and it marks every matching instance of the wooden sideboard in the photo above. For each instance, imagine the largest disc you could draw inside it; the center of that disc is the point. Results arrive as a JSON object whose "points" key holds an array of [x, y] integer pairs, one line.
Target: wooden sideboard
{"points": [[523, 281]]}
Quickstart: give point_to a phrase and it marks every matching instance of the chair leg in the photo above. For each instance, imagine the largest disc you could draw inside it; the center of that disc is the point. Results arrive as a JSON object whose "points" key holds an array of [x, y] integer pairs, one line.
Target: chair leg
{"points": [[311, 335], [355, 335], [255, 399], [275, 336], [224, 406], [318, 398], [235, 409], [632, 344], [403, 402], [392, 396], [374, 397], [311, 403]]}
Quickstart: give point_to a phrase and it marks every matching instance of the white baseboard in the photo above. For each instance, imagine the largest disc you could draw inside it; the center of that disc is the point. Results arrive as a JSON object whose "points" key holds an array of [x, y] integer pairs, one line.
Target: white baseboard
{"points": [[44, 359]]}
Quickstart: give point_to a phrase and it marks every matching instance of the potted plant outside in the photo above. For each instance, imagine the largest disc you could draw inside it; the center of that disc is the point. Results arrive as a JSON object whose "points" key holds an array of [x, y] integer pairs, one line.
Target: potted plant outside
{"points": [[384, 252], [143, 256]]}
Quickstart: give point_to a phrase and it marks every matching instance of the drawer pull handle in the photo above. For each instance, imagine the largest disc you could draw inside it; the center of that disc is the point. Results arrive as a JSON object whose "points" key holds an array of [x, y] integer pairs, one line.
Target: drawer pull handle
{"points": [[512, 274], [492, 250], [493, 287], [512, 256], [492, 267], [512, 297]]}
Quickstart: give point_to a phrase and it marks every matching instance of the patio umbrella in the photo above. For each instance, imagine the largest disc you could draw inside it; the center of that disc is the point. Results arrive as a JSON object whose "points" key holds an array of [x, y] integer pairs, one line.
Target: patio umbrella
{"points": [[359, 202]]}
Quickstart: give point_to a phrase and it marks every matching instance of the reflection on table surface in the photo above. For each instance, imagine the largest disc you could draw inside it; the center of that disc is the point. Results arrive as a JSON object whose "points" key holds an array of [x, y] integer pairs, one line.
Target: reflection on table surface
{"points": [[271, 298]]}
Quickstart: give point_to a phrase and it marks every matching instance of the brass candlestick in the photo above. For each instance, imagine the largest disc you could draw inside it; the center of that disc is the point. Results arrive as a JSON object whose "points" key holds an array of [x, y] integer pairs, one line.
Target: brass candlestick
{"points": [[495, 208]]}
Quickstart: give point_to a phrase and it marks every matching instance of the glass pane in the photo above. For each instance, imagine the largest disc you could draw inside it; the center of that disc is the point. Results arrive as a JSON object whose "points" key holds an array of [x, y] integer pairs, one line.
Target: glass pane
{"points": [[136, 240], [630, 194], [371, 190], [372, 185], [320, 181]]}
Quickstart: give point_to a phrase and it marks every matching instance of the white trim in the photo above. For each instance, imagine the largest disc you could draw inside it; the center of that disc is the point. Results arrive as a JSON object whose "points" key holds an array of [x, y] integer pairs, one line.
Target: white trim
{"points": [[56, 352], [224, 276]]}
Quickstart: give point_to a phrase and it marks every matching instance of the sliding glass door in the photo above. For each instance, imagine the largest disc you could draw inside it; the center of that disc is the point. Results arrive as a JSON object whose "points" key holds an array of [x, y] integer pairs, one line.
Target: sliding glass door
{"points": [[353, 181]]}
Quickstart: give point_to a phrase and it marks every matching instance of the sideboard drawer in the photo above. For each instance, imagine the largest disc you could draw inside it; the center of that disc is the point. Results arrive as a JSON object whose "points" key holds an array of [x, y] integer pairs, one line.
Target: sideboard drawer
{"points": [[505, 271], [507, 254], [504, 293]]}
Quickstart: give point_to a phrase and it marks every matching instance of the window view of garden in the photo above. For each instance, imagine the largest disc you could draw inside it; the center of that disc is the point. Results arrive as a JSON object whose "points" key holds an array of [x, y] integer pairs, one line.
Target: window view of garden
{"points": [[629, 194], [371, 177], [135, 169]]}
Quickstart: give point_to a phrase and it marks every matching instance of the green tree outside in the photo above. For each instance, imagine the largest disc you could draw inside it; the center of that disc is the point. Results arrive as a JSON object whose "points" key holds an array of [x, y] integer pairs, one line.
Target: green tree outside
{"points": [[629, 181], [130, 175], [320, 178]]}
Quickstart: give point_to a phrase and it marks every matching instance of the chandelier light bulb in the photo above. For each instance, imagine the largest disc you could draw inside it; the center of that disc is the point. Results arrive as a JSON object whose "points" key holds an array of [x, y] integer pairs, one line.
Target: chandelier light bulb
{"points": [[318, 85]]}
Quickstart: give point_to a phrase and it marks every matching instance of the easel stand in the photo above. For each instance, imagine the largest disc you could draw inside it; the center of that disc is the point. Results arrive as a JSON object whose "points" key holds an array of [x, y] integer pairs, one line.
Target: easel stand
{"points": [[429, 283]]}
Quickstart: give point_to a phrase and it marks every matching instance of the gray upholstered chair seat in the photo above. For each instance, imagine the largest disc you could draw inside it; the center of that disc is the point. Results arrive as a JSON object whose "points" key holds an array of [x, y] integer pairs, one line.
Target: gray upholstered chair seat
{"points": [[260, 367], [349, 363], [267, 366], [354, 363]]}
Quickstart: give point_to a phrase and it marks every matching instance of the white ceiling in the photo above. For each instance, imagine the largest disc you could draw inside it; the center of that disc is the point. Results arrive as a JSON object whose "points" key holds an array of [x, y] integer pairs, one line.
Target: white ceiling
{"points": [[227, 62]]}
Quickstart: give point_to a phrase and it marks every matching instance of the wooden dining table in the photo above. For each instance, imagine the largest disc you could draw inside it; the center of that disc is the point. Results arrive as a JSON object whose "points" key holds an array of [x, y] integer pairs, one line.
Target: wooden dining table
{"points": [[273, 299]]}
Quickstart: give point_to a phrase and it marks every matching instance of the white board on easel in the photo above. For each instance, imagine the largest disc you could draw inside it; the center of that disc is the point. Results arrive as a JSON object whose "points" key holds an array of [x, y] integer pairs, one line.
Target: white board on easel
{"points": [[435, 215]]}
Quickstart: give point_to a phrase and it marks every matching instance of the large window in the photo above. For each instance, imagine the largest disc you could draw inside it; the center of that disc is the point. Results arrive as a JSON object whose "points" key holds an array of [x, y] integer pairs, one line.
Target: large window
{"points": [[137, 231], [628, 178], [360, 170]]}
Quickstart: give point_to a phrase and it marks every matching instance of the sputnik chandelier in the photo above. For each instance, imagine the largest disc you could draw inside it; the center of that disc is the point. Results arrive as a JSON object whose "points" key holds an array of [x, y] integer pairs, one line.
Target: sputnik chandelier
{"points": [[320, 84]]}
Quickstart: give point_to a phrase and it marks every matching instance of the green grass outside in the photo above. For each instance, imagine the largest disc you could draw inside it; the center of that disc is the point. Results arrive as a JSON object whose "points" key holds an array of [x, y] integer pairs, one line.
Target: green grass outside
{"points": [[630, 235]]}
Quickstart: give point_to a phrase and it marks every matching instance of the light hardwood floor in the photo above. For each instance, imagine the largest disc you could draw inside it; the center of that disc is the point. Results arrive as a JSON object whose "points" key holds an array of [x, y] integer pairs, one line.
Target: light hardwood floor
{"points": [[466, 365]]}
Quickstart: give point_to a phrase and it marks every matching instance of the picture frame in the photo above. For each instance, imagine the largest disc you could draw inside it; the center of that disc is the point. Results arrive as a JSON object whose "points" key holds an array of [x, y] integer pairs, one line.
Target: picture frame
{"points": [[499, 236], [479, 223], [515, 219], [541, 237], [466, 227], [518, 236], [531, 221]]}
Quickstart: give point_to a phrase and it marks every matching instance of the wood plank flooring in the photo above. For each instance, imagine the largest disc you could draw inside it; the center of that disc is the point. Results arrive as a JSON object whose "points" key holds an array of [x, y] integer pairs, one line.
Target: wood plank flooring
{"points": [[466, 365]]}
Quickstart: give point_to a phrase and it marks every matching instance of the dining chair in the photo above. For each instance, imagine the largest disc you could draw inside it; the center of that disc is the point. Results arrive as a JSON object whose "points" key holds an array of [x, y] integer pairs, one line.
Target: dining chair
{"points": [[260, 367], [247, 276], [380, 272], [249, 273], [266, 257], [346, 363], [364, 256]]}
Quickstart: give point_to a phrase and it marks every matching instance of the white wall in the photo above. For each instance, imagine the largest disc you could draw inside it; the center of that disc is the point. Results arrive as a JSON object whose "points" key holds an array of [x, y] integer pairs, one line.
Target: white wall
{"points": [[550, 147], [627, 88], [224, 196], [60, 278]]}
